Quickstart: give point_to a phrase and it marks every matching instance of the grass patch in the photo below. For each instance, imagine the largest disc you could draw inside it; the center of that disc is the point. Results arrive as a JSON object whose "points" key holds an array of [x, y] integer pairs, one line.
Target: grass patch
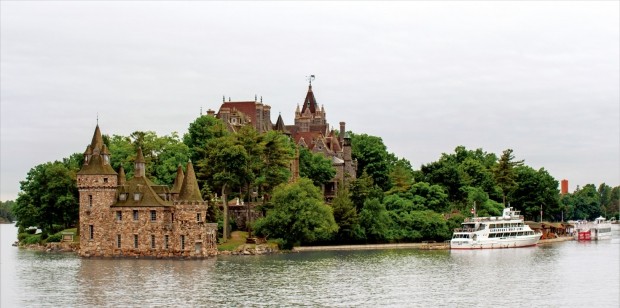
{"points": [[237, 238]]}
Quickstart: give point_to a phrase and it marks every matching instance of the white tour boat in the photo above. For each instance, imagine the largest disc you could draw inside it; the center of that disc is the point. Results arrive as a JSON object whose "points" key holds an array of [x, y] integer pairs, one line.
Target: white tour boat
{"points": [[599, 229], [506, 231]]}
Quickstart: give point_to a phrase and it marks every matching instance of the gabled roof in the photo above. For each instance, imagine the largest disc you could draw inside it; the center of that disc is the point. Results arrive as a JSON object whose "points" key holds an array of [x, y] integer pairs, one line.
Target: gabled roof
{"points": [[309, 102], [148, 196]]}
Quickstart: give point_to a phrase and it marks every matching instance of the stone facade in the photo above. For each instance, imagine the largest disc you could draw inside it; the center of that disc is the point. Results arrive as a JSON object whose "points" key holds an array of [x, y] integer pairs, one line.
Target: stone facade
{"points": [[135, 218]]}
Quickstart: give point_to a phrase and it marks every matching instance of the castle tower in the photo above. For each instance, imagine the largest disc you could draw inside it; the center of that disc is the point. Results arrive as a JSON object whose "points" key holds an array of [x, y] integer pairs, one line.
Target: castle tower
{"points": [[97, 183]]}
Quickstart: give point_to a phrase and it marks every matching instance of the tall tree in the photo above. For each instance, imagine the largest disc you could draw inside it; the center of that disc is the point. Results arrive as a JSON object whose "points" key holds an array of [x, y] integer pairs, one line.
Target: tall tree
{"points": [[48, 197], [504, 173], [315, 166], [345, 215], [373, 158], [298, 216], [199, 134]]}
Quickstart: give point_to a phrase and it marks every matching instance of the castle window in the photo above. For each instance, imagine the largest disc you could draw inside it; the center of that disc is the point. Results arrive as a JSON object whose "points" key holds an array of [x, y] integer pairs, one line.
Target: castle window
{"points": [[105, 180], [198, 217], [172, 216], [166, 241], [135, 214], [118, 241], [153, 215], [182, 242], [136, 197], [152, 241], [135, 241], [90, 200], [91, 232], [119, 215]]}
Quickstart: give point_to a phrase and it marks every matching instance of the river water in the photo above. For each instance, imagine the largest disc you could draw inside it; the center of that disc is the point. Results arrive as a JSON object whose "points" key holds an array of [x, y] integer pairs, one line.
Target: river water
{"points": [[566, 274]]}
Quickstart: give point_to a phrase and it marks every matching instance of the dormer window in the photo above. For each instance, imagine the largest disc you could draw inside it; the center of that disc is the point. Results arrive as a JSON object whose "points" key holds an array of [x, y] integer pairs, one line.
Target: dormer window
{"points": [[122, 197], [136, 197], [106, 159]]}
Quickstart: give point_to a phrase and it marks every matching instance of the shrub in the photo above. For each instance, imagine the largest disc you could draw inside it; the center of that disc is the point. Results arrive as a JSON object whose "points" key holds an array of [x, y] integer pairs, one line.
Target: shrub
{"points": [[22, 236], [32, 239], [54, 238]]}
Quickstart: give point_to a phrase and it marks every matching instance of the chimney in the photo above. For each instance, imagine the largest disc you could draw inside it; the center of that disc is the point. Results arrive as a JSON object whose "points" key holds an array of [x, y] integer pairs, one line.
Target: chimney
{"points": [[341, 135]]}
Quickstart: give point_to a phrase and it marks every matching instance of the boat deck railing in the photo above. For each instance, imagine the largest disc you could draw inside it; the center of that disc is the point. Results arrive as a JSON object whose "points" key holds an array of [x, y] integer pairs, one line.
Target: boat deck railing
{"points": [[493, 218]]}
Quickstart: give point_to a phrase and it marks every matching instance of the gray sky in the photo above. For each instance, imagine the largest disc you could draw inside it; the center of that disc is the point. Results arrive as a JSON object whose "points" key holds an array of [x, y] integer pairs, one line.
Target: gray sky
{"points": [[541, 78]]}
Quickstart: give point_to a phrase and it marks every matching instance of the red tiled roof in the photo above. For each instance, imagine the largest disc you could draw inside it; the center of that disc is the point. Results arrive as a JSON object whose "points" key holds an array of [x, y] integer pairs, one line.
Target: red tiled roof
{"points": [[248, 108]]}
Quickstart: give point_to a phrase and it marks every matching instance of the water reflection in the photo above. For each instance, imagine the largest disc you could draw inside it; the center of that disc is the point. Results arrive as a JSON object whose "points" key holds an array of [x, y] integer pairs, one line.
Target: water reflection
{"points": [[562, 274]]}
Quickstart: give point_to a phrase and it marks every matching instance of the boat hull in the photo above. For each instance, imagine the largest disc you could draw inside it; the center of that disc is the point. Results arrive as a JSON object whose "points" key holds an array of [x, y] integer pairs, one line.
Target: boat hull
{"points": [[466, 244]]}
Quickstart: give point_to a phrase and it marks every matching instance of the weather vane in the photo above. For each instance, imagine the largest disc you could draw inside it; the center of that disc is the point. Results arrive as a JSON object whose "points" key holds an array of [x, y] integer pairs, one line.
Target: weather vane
{"points": [[310, 78]]}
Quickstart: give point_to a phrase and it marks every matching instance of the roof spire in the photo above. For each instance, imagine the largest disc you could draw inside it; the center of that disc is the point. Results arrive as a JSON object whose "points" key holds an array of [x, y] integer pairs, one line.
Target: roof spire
{"points": [[189, 189], [310, 78]]}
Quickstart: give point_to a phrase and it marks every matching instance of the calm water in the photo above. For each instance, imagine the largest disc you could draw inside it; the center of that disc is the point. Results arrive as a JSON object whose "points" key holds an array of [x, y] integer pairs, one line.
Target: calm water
{"points": [[568, 274]]}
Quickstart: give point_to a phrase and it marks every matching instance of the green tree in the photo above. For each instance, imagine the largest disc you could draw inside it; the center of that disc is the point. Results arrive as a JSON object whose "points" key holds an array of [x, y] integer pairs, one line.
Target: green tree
{"points": [[586, 203], [299, 215], [162, 154], [6, 211], [225, 167], [48, 197], [504, 173], [276, 157], [200, 132], [401, 176], [536, 188], [346, 217], [375, 221], [373, 158], [363, 189], [315, 166]]}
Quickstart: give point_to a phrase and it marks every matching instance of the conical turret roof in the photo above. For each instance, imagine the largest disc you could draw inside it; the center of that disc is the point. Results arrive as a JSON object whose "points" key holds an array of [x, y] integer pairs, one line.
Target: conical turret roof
{"points": [[139, 156], [178, 181], [309, 102], [121, 176], [97, 143], [190, 190]]}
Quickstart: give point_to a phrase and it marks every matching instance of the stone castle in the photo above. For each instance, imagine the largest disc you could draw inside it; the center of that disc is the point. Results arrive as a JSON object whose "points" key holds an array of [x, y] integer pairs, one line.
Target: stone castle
{"points": [[134, 217]]}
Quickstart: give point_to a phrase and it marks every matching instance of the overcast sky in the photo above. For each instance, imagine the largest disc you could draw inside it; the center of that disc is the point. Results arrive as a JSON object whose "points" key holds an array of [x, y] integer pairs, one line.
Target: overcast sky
{"points": [[541, 78]]}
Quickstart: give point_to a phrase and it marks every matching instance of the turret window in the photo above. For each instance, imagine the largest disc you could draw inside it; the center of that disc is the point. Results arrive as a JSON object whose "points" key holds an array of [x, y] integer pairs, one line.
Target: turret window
{"points": [[105, 180], [198, 217]]}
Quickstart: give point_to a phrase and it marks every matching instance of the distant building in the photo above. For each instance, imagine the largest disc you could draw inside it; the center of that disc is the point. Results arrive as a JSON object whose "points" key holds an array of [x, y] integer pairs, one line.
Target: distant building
{"points": [[310, 130], [137, 218], [564, 187]]}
